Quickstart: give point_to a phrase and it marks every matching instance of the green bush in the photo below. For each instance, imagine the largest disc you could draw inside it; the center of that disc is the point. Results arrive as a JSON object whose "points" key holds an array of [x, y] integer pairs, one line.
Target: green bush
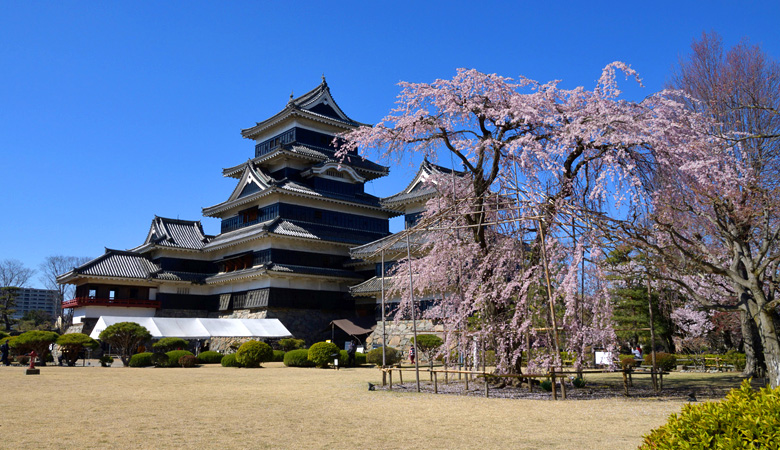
{"points": [[254, 353], [170, 359], [322, 353], [664, 361], [627, 362], [744, 419], [167, 344], [736, 359], [229, 360], [141, 360], [209, 357], [578, 382], [188, 361], [428, 344], [291, 344], [360, 358], [392, 356], [546, 385], [297, 358], [278, 356], [106, 361]]}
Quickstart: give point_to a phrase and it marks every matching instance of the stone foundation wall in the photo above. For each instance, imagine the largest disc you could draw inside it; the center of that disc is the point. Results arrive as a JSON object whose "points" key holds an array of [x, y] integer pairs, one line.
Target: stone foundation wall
{"points": [[399, 334]]}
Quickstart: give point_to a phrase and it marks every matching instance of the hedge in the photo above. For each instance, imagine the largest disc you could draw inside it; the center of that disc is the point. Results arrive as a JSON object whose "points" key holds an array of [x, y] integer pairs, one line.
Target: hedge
{"points": [[254, 353], [210, 357], [744, 419], [297, 358], [229, 360], [322, 353], [141, 360]]}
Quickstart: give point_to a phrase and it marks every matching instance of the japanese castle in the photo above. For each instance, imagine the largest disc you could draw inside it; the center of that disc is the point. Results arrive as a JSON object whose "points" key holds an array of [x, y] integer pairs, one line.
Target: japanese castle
{"points": [[283, 250]]}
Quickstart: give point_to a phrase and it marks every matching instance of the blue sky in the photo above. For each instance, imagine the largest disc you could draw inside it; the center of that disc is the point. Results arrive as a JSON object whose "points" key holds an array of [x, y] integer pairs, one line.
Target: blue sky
{"points": [[111, 113]]}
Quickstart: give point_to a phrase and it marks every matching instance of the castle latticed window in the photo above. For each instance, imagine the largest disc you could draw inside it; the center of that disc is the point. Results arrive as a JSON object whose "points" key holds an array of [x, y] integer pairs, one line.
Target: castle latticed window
{"points": [[270, 144]]}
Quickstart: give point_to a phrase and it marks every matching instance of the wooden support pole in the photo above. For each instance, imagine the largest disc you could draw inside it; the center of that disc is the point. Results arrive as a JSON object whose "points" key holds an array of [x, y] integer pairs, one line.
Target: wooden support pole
{"points": [[401, 376], [391, 379], [625, 382], [554, 387], [487, 388], [467, 381], [384, 377], [435, 383], [446, 373]]}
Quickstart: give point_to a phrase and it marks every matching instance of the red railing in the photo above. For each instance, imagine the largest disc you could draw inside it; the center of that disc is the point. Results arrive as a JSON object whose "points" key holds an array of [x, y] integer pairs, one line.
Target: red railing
{"points": [[126, 302]]}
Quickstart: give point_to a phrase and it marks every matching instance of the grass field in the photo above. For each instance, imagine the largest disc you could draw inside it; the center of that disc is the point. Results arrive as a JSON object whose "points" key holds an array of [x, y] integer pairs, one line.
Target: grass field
{"points": [[275, 407]]}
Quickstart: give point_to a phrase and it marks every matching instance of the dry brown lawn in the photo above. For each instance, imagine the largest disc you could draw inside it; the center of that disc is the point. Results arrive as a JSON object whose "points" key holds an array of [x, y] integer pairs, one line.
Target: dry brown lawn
{"points": [[276, 407]]}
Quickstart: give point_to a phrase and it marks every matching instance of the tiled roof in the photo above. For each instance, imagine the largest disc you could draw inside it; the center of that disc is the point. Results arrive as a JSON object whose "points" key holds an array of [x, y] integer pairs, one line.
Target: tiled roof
{"points": [[309, 270], [417, 190], [117, 263], [322, 154], [301, 106], [393, 245], [181, 276], [239, 235], [184, 234], [320, 232], [371, 286]]}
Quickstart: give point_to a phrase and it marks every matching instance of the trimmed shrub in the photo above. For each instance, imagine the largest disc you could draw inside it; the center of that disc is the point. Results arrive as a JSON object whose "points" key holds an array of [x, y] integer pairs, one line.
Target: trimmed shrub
{"points": [[392, 356], [322, 353], [106, 361], [229, 360], [210, 357], [168, 344], [744, 419], [546, 385], [428, 344], [291, 344], [141, 360], [360, 358], [188, 361], [627, 362], [278, 356], [254, 353], [665, 361], [297, 358], [578, 382], [170, 359]]}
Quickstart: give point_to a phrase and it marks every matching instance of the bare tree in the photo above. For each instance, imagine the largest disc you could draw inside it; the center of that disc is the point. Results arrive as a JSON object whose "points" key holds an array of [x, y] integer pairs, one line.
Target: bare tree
{"points": [[13, 275], [56, 265], [740, 89]]}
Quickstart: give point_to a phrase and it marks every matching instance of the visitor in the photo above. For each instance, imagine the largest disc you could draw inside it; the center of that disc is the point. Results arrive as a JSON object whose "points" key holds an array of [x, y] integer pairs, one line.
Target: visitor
{"points": [[411, 354], [4, 349], [351, 349]]}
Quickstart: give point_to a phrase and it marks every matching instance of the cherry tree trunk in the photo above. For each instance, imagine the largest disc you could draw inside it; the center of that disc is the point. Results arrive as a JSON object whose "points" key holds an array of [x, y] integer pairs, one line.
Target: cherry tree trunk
{"points": [[768, 332], [751, 344]]}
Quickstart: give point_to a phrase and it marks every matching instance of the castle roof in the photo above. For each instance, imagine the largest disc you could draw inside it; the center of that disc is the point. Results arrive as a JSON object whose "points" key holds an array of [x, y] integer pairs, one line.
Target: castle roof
{"points": [[317, 105], [175, 233], [420, 189]]}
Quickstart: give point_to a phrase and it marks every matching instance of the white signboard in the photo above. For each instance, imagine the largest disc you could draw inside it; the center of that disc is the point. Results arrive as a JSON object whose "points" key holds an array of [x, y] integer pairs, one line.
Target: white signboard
{"points": [[603, 358]]}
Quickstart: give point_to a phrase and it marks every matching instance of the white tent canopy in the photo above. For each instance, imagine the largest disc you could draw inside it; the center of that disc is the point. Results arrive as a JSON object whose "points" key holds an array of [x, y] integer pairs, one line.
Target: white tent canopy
{"points": [[161, 327]]}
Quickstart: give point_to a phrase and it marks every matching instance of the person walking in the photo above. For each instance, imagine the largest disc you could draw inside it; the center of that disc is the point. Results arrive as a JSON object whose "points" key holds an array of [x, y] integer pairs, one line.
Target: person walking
{"points": [[351, 350], [411, 354], [4, 349]]}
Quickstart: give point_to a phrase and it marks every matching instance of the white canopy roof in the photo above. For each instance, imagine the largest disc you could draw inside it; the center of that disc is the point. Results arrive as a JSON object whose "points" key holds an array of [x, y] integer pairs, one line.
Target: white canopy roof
{"points": [[161, 327]]}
